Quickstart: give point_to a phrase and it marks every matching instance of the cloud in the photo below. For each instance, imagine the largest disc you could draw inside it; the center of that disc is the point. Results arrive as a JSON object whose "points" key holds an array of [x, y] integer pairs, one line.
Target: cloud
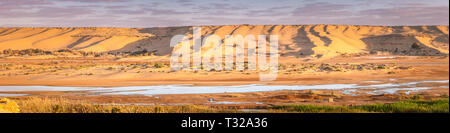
{"points": [[159, 21], [214, 12], [116, 7], [410, 15], [407, 11], [391, 13], [49, 12], [7, 5], [221, 6], [273, 11], [322, 9], [184, 1], [126, 12], [19, 8], [23, 2], [211, 20], [63, 12], [98, 1]]}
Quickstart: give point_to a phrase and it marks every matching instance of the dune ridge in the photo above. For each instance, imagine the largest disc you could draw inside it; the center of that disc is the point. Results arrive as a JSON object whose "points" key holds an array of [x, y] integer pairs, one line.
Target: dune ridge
{"points": [[304, 41]]}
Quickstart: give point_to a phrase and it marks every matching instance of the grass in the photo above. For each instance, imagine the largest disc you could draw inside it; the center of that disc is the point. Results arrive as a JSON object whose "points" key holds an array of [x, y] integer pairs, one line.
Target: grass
{"points": [[412, 106], [62, 105]]}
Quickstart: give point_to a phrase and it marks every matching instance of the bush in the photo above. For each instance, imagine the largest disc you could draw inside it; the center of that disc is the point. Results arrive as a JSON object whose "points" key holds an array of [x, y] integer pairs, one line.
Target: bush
{"points": [[110, 68], [8, 106], [415, 46], [158, 65]]}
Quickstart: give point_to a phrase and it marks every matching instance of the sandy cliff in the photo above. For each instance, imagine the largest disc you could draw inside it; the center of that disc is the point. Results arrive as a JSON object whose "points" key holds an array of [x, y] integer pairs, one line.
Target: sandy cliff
{"points": [[310, 41]]}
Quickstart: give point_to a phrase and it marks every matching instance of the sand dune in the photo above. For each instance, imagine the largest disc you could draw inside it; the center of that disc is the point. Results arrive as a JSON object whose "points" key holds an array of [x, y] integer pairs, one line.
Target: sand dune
{"points": [[307, 41]]}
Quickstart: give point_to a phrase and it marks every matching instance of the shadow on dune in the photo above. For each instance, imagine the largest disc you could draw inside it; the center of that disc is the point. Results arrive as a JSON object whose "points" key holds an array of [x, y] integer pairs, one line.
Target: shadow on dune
{"points": [[399, 44], [159, 44], [302, 41], [326, 40]]}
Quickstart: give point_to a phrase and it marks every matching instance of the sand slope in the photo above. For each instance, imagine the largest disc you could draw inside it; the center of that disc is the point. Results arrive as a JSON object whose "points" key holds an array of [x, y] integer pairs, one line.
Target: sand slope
{"points": [[307, 41], [87, 39]]}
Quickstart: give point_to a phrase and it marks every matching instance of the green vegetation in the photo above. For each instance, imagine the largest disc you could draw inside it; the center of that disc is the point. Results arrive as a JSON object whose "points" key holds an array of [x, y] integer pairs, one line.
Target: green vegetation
{"points": [[39, 52], [158, 65], [29, 52], [415, 46], [110, 68], [143, 53], [413, 106]]}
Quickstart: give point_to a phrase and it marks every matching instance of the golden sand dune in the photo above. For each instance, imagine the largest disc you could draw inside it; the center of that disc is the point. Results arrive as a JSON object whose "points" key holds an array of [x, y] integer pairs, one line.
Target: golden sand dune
{"points": [[86, 39], [294, 40]]}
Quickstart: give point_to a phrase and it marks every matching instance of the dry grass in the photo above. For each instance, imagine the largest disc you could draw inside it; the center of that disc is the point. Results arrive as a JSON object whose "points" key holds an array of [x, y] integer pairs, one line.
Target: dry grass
{"points": [[61, 105], [8, 106]]}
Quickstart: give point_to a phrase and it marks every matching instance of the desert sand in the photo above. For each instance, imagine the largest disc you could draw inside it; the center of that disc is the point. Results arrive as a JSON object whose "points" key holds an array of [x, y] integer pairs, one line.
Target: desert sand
{"points": [[294, 40], [308, 55]]}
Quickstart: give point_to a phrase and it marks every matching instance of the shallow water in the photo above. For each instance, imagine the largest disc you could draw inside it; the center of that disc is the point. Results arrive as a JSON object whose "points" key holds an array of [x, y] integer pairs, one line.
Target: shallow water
{"points": [[389, 88], [383, 57], [11, 95], [253, 110], [228, 102]]}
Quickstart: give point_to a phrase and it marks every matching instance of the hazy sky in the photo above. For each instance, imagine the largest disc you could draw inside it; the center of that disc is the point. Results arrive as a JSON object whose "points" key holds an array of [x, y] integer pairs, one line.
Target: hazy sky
{"points": [[156, 13]]}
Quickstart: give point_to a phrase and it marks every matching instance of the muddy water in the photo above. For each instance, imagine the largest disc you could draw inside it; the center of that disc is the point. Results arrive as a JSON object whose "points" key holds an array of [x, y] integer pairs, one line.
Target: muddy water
{"points": [[11, 95], [351, 89]]}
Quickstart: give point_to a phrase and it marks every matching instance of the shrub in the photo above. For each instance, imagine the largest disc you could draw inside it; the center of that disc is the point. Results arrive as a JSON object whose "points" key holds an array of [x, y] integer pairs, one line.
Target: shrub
{"points": [[8, 106], [110, 68], [415, 46], [158, 65]]}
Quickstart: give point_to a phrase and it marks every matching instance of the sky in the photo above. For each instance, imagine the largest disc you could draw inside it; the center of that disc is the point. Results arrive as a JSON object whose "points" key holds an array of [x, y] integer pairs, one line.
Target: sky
{"points": [[163, 13]]}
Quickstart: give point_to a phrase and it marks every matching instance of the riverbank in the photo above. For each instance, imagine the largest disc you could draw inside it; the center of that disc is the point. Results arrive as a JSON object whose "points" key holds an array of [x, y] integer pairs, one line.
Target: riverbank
{"points": [[61, 105]]}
